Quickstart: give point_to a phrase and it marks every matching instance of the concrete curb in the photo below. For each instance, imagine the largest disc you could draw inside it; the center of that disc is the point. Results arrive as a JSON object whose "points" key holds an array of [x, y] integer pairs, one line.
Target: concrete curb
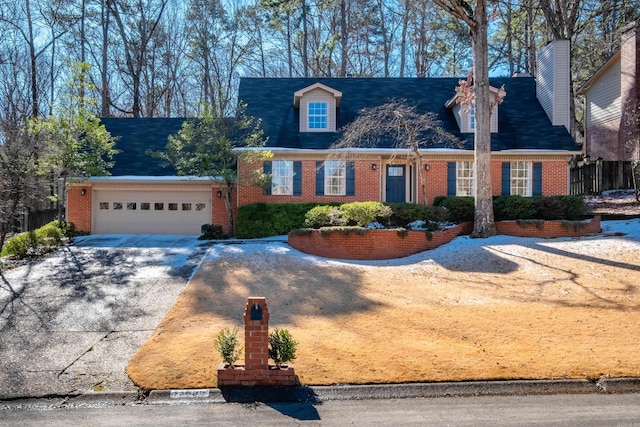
{"points": [[318, 394]]}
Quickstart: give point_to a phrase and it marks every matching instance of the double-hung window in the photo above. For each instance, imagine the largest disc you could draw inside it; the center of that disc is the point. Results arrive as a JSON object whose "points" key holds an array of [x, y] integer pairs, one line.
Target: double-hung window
{"points": [[335, 178], [521, 178], [282, 177], [472, 117], [318, 115], [465, 178]]}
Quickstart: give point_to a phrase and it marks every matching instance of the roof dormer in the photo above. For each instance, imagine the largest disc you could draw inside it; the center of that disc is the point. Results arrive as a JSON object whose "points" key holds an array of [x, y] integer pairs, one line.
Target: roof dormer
{"points": [[317, 104], [465, 114]]}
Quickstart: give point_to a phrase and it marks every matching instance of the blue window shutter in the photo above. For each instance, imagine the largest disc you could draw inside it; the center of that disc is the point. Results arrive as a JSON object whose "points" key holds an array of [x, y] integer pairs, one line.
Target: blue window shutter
{"points": [[506, 178], [451, 178], [537, 179], [351, 179], [266, 168], [297, 178], [319, 178]]}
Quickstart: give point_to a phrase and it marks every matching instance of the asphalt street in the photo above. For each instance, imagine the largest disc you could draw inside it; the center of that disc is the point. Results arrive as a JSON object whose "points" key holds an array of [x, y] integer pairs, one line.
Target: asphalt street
{"points": [[70, 322]]}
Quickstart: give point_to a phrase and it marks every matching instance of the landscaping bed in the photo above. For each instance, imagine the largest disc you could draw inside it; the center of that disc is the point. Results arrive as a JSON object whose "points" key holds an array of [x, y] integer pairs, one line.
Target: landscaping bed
{"points": [[474, 309]]}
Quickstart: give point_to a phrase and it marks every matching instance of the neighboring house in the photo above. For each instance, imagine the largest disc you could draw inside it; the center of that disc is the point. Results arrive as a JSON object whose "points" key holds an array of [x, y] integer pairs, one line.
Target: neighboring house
{"points": [[302, 117], [611, 96]]}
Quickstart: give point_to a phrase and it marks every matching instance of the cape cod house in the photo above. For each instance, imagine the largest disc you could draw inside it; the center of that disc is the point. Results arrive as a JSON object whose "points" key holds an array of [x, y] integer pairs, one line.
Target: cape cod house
{"points": [[302, 117], [611, 101]]}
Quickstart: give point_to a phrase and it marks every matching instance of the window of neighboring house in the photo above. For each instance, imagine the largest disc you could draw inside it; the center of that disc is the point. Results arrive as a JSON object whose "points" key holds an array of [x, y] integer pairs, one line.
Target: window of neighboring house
{"points": [[282, 177], [318, 115], [521, 178], [335, 178], [472, 117], [465, 178]]}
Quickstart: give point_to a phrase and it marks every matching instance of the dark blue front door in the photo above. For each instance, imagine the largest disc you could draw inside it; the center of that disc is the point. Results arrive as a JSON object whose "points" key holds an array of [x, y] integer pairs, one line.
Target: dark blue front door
{"points": [[396, 184]]}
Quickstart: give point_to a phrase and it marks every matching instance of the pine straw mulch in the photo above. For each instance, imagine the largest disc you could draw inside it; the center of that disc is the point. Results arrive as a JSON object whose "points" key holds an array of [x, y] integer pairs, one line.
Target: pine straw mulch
{"points": [[499, 308]]}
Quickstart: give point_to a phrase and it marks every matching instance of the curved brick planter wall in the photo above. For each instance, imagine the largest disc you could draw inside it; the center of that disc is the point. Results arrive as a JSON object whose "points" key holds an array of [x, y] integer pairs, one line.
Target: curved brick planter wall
{"points": [[387, 244]]}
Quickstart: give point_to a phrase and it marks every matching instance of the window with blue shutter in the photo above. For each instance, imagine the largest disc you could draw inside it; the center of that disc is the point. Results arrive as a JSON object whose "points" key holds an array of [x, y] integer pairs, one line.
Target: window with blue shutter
{"points": [[506, 178], [537, 179], [319, 178], [351, 179], [451, 178], [297, 178], [266, 168]]}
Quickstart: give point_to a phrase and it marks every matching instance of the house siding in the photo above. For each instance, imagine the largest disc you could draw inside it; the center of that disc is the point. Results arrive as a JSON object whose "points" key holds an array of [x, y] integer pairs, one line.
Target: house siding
{"points": [[79, 207], [553, 88], [603, 98]]}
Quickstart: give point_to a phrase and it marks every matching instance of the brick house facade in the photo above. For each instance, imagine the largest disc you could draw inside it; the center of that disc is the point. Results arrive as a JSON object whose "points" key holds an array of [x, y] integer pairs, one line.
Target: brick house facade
{"points": [[303, 117]]}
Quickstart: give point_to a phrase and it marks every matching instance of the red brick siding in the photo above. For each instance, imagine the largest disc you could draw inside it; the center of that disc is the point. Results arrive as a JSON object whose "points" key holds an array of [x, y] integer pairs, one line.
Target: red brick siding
{"points": [[550, 229], [602, 141], [79, 207], [241, 377]]}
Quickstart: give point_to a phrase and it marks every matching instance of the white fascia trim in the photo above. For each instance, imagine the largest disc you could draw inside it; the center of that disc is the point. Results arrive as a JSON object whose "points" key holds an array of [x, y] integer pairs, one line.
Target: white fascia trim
{"points": [[156, 179], [387, 151]]}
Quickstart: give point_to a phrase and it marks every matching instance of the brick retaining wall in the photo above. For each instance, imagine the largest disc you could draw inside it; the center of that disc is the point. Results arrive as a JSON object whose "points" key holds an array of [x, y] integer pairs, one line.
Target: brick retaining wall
{"points": [[388, 244]]}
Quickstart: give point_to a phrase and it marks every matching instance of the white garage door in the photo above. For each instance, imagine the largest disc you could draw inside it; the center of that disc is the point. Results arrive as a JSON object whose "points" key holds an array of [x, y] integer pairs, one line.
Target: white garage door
{"points": [[150, 212]]}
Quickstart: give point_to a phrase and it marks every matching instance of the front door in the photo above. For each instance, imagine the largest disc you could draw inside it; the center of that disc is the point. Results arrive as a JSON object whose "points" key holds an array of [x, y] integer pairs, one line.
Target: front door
{"points": [[396, 184]]}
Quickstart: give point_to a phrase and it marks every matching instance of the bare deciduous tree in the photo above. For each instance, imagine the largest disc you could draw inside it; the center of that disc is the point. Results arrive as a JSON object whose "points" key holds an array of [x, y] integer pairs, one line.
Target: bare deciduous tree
{"points": [[399, 125]]}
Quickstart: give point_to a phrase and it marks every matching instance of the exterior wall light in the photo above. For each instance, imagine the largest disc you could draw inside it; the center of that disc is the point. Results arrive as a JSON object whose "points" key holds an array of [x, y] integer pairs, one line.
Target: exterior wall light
{"points": [[374, 166], [426, 166], [83, 191], [219, 194]]}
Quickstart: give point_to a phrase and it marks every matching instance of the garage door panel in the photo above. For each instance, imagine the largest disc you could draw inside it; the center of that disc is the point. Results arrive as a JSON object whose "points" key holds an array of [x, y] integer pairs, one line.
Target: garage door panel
{"points": [[135, 212]]}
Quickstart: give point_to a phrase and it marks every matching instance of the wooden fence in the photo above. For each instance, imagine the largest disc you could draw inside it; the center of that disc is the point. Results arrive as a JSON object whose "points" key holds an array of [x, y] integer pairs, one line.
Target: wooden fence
{"points": [[598, 176]]}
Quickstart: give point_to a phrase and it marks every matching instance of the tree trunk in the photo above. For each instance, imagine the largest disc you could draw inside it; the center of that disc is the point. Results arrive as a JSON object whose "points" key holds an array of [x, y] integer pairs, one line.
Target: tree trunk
{"points": [[343, 38], [104, 74], [484, 225]]}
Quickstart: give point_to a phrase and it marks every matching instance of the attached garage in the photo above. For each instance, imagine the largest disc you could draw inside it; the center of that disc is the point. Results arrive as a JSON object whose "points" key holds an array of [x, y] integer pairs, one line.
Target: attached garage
{"points": [[168, 205]]}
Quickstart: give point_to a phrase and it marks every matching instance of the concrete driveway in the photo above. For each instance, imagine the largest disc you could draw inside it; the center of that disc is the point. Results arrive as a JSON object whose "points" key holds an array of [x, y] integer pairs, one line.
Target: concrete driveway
{"points": [[70, 322]]}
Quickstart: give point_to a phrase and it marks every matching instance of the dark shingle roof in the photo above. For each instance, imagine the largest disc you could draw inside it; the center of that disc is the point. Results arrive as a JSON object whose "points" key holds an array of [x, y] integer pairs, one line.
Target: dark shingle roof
{"points": [[523, 124], [135, 137]]}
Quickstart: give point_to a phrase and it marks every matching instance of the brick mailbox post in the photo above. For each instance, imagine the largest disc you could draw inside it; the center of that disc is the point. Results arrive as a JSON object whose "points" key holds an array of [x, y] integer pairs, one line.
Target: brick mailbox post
{"points": [[256, 370]]}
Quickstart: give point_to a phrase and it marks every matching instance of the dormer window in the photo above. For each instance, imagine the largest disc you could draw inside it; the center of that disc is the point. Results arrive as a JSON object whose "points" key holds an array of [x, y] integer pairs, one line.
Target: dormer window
{"points": [[317, 105], [318, 115], [466, 114]]}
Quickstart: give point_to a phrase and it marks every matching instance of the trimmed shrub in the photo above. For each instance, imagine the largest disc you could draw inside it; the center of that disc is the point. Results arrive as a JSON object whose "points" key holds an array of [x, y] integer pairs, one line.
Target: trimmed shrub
{"points": [[362, 213], [404, 213], [21, 245], [282, 347], [270, 219], [211, 232], [506, 208], [49, 236], [228, 345], [324, 216], [570, 208], [67, 228], [460, 209]]}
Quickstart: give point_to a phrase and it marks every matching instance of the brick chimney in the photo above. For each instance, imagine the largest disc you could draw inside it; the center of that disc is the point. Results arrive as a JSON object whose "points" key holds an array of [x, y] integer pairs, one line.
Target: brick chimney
{"points": [[553, 86]]}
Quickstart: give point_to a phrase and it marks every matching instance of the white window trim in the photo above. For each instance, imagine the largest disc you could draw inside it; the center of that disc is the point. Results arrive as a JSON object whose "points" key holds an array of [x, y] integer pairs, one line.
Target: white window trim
{"points": [[282, 177], [324, 116], [335, 178], [465, 172], [521, 178]]}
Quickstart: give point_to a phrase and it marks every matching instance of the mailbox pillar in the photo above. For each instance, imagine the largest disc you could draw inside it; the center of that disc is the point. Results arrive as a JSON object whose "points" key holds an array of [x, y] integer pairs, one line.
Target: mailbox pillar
{"points": [[256, 333]]}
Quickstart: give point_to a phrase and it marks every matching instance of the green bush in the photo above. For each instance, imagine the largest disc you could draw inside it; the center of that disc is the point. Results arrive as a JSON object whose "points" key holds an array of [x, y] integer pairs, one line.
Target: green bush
{"points": [[460, 209], [506, 208], [67, 228], [319, 216], [211, 232], [404, 213], [21, 245], [228, 345], [270, 219], [570, 208], [49, 235], [362, 213], [282, 347]]}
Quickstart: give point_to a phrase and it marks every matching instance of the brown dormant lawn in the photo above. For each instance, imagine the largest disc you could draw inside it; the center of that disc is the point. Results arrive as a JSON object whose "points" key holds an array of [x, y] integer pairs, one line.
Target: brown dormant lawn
{"points": [[498, 308]]}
